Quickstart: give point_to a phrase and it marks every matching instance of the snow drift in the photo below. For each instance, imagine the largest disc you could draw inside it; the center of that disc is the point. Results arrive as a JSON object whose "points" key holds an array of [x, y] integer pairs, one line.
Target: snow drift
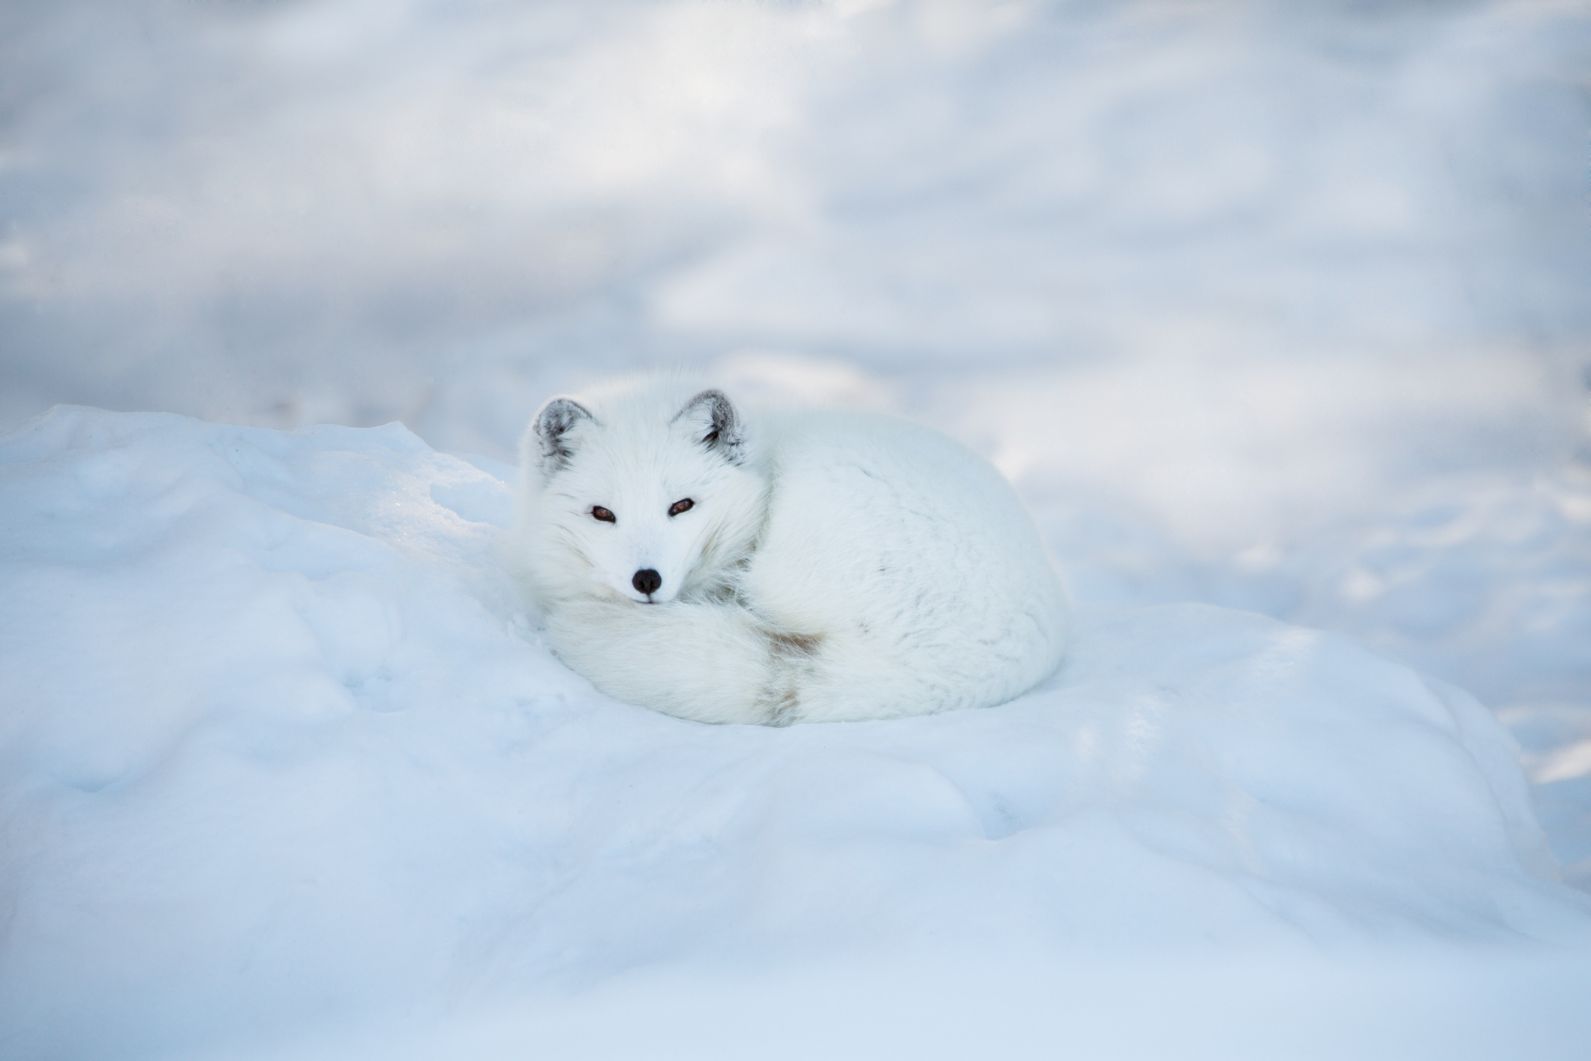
{"points": [[284, 768]]}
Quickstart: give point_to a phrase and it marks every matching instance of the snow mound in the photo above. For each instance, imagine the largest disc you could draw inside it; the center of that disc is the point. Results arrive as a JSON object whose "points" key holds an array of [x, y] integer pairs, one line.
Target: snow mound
{"points": [[283, 764]]}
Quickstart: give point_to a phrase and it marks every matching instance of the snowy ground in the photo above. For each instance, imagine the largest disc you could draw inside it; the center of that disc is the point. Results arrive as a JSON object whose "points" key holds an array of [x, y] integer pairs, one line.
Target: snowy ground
{"points": [[1267, 310], [284, 766]]}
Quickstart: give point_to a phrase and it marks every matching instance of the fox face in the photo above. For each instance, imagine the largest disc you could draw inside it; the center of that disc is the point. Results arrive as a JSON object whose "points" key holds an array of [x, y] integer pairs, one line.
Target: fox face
{"points": [[645, 504]]}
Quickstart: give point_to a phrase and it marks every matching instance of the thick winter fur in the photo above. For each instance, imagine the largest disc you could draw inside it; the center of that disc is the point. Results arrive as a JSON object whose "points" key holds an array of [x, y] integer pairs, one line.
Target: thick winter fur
{"points": [[829, 566]]}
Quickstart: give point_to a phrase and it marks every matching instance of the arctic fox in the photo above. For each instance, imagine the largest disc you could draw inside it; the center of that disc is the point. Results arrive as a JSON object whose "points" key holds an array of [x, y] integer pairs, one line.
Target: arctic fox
{"points": [[788, 566]]}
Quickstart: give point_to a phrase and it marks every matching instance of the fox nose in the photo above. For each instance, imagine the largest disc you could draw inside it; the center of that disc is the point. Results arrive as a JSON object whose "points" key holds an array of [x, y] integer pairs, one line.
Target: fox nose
{"points": [[646, 581]]}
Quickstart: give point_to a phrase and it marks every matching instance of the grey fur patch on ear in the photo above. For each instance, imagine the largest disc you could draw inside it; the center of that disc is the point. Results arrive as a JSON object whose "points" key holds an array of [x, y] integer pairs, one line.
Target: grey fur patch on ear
{"points": [[715, 424], [553, 425]]}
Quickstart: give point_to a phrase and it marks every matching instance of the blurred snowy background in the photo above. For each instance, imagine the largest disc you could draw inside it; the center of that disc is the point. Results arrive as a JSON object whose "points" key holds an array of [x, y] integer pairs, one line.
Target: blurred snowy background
{"points": [[1281, 306]]}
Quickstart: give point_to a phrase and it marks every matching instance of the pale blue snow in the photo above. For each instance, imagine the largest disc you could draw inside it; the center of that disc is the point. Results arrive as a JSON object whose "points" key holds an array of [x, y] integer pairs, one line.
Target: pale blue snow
{"points": [[285, 764]]}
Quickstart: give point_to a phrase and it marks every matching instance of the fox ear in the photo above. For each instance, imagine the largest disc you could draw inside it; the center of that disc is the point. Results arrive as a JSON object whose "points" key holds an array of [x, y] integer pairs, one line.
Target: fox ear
{"points": [[713, 423], [553, 426]]}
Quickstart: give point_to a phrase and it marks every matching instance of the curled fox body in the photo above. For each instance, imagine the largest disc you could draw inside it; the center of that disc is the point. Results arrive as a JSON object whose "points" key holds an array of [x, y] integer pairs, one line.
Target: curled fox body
{"points": [[729, 566]]}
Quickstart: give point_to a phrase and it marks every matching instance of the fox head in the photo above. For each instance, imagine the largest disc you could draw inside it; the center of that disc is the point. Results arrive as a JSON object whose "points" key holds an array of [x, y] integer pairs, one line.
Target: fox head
{"points": [[639, 497]]}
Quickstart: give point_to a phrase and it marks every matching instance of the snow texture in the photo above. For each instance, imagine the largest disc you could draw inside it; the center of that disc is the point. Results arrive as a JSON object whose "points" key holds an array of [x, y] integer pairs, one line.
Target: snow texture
{"points": [[285, 765], [1279, 308]]}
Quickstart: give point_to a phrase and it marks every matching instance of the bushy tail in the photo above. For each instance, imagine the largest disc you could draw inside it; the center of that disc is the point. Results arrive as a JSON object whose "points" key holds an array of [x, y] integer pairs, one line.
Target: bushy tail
{"points": [[707, 662]]}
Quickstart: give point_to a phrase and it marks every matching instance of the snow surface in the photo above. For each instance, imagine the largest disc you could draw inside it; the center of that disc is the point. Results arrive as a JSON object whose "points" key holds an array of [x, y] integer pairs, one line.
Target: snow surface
{"points": [[1274, 307], [287, 770]]}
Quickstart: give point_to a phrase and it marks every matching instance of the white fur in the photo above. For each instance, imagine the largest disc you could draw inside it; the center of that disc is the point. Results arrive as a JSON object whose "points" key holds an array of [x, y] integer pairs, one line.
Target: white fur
{"points": [[833, 566]]}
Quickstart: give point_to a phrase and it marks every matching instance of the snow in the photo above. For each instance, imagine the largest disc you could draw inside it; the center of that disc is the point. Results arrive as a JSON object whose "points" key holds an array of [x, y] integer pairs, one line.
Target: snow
{"points": [[287, 768], [1274, 314]]}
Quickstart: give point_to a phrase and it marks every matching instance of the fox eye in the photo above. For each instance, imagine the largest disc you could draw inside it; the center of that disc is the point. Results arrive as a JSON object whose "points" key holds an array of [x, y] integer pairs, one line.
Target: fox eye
{"points": [[600, 513], [683, 505]]}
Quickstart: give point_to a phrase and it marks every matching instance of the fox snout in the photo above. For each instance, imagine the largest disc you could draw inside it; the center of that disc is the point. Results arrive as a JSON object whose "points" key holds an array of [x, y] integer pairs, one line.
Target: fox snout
{"points": [[646, 581]]}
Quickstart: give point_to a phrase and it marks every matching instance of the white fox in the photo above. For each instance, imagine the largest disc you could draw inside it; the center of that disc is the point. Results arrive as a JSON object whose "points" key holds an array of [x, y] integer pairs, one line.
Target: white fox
{"points": [[792, 566]]}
